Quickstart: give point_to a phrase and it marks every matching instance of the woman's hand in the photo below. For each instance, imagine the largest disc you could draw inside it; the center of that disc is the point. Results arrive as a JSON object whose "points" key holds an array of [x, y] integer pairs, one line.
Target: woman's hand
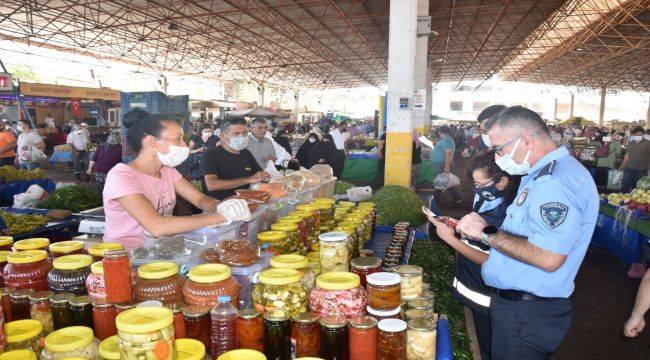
{"points": [[444, 231], [633, 326]]}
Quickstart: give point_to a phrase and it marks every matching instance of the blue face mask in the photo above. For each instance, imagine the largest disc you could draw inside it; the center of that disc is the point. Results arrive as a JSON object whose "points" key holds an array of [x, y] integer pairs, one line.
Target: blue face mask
{"points": [[489, 193]]}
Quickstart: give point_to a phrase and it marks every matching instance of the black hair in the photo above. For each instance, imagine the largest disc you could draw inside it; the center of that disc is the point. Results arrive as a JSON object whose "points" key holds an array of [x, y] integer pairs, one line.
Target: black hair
{"points": [[637, 129], [489, 112], [259, 121], [444, 129], [27, 123], [139, 124], [521, 117], [328, 137], [226, 124], [205, 126], [485, 161], [343, 123], [315, 136]]}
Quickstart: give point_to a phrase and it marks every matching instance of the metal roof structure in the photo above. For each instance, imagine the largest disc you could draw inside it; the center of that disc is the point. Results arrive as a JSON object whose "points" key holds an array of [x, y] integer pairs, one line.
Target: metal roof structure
{"points": [[344, 43]]}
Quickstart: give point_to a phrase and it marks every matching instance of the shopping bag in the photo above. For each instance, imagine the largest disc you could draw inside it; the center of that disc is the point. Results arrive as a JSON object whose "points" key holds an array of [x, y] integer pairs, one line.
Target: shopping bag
{"points": [[445, 181], [614, 179], [465, 154]]}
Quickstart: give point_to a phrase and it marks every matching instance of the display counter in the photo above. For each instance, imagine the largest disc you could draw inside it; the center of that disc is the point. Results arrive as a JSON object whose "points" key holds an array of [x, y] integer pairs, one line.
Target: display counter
{"points": [[624, 241]]}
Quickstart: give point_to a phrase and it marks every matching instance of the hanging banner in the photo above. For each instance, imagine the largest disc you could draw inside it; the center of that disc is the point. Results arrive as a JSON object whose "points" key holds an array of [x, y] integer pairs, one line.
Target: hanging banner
{"points": [[6, 84], [75, 107], [60, 91]]}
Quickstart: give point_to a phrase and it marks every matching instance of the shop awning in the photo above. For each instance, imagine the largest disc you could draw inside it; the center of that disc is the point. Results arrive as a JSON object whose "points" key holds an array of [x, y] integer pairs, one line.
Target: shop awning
{"points": [[250, 113], [71, 92]]}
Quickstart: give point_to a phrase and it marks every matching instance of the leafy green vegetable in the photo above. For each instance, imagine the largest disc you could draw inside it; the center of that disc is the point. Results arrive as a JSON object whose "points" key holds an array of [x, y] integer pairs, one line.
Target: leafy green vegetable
{"points": [[74, 198], [341, 187], [643, 183], [395, 203], [20, 224]]}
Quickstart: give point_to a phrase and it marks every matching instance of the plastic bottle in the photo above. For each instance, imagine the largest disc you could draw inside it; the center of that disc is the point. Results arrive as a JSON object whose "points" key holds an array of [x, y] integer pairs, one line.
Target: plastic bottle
{"points": [[224, 327]]}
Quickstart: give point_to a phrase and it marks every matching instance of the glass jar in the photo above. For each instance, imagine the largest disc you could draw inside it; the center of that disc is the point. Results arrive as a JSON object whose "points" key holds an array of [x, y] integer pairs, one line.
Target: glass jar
{"points": [[280, 293], [197, 323], [6, 304], [364, 266], [391, 340], [373, 213], [363, 338], [353, 247], [250, 330], [420, 340], [305, 334], [362, 219], [313, 211], [293, 234], [69, 274], [413, 314], [189, 349], [24, 334], [241, 354], [18, 355], [310, 223], [314, 261], [61, 314], [27, 270], [3, 263], [31, 244], [274, 241], [207, 281], [3, 339], [411, 281], [387, 314], [71, 342], [120, 308], [81, 308], [20, 304], [179, 323], [95, 282], [69, 247], [326, 212], [427, 295], [383, 291], [296, 262], [334, 338], [338, 293], [277, 337], [159, 280], [98, 250], [109, 349], [303, 230], [104, 320], [117, 277], [334, 252], [141, 330], [41, 309], [420, 304], [6, 243]]}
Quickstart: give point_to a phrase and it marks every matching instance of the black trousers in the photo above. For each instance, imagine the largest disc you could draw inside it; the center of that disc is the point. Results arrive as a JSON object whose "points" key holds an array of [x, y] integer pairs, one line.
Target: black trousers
{"points": [[483, 332], [528, 330]]}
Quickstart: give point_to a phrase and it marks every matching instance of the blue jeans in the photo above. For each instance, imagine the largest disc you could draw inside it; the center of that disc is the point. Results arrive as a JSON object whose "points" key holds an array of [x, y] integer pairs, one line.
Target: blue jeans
{"points": [[29, 166]]}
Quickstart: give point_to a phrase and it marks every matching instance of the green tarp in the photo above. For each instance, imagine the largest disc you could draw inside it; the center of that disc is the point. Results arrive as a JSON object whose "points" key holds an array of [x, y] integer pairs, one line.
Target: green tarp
{"points": [[640, 226]]}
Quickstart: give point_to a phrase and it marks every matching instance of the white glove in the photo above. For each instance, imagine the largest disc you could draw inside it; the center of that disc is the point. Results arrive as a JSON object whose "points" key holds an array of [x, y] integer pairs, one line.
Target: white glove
{"points": [[234, 210]]}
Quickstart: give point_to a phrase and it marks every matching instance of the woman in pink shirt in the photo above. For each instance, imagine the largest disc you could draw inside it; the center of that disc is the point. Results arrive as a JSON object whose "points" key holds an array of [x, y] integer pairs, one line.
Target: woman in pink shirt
{"points": [[140, 196]]}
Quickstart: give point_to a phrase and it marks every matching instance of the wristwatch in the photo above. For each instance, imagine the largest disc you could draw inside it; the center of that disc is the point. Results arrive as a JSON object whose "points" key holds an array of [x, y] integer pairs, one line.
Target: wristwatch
{"points": [[488, 231]]}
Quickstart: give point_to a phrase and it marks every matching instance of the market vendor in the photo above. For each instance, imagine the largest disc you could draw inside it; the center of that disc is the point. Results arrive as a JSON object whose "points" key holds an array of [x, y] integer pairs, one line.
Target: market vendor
{"points": [[230, 166], [140, 197]]}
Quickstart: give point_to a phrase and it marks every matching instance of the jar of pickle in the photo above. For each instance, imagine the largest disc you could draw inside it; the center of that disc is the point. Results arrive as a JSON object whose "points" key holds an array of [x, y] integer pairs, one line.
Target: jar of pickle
{"points": [[27, 270], [305, 334], [6, 243], [310, 223], [373, 213], [358, 237], [3, 263], [250, 330], [334, 252], [412, 314], [274, 241], [391, 342], [292, 231], [383, 291], [189, 349], [411, 281], [24, 334], [296, 262], [95, 282], [141, 330], [81, 308], [303, 230], [334, 343], [240, 354], [363, 338], [18, 355], [97, 250], [159, 281], [104, 320], [314, 261], [71, 342], [427, 295], [197, 323], [311, 209], [364, 266], [280, 293], [361, 218], [326, 212], [208, 281], [338, 293], [420, 339], [385, 314], [117, 277], [20, 304], [61, 314], [32, 244], [109, 349], [69, 274], [277, 337], [66, 248], [41, 309]]}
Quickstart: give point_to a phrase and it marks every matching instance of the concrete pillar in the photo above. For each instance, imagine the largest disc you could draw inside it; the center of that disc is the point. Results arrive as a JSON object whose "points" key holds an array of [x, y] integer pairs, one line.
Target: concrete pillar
{"points": [[261, 89], [428, 105], [297, 97], [571, 106], [421, 71], [555, 110], [601, 113], [647, 116], [401, 77]]}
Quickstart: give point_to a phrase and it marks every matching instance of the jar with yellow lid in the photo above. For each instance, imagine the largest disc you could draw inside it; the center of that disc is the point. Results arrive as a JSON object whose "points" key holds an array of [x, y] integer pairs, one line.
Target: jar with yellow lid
{"points": [[363, 218], [160, 281], [314, 261], [311, 209], [326, 212], [71, 342], [95, 284], [292, 231], [274, 241], [373, 213], [208, 281], [280, 293], [3, 263], [24, 334], [27, 270], [32, 244], [69, 247], [6, 243], [303, 230], [242, 354], [334, 252], [69, 274], [346, 204], [338, 293], [146, 333], [354, 223], [109, 349], [18, 355], [97, 250], [189, 349], [310, 222], [296, 262]]}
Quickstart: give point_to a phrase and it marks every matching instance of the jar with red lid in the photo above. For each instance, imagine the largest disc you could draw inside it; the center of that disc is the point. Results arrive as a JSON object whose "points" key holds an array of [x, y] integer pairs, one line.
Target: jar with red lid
{"points": [[32, 244], [69, 247], [27, 270], [305, 334], [98, 250], [104, 315], [391, 340], [197, 323], [6, 243], [95, 282], [117, 277], [69, 274], [207, 281], [20, 304], [385, 314], [41, 309], [159, 281], [364, 266], [250, 330], [3, 263], [363, 338]]}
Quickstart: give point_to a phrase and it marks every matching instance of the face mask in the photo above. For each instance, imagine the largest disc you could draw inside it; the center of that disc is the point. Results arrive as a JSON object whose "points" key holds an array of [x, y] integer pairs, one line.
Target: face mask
{"points": [[636, 138], [486, 140], [238, 143], [647, 137], [175, 156], [19, 128], [206, 135], [489, 193], [509, 165], [312, 140]]}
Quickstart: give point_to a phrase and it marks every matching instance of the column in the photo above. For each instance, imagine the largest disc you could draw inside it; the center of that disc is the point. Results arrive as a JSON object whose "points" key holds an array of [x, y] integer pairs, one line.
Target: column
{"points": [[421, 70], [429, 103], [401, 77], [571, 106], [297, 97], [647, 116], [601, 113], [555, 110]]}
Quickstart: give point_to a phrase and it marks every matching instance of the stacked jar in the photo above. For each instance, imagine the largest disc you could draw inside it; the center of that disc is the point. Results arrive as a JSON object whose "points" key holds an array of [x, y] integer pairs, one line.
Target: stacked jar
{"points": [[383, 291], [362, 217], [338, 293], [69, 274], [159, 280], [3, 263], [364, 266], [95, 282], [146, 329], [293, 234], [314, 261], [296, 262], [391, 342], [310, 223], [71, 342], [410, 281], [363, 338], [6, 243], [250, 330], [280, 293], [117, 277], [32, 244], [420, 339], [24, 334], [61, 314], [314, 215], [66, 248], [98, 250], [104, 320], [326, 212], [334, 252], [305, 334], [197, 323], [303, 230], [274, 241], [385, 314], [371, 207], [208, 281], [27, 270]]}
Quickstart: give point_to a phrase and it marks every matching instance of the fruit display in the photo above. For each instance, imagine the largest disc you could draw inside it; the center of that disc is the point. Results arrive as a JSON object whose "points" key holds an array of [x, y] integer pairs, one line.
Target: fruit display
{"points": [[10, 173], [20, 224], [638, 199]]}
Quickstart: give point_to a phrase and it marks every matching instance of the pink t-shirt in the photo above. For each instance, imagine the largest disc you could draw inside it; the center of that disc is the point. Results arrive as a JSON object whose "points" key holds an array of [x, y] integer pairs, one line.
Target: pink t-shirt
{"points": [[123, 180]]}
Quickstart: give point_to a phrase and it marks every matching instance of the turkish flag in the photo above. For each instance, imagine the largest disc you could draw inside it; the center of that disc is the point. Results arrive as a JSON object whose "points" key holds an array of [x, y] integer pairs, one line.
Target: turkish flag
{"points": [[75, 105]]}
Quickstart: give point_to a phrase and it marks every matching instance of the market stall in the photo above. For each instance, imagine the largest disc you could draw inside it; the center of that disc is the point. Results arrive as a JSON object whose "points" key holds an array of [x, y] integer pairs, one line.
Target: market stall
{"points": [[367, 170]]}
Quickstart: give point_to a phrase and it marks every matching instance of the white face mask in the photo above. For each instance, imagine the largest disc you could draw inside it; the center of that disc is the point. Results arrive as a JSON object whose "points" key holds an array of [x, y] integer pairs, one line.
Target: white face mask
{"points": [[636, 138], [486, 140], [19, 128], [509, 165], [312, 140], [238, 143], [175, 156], [647, 137]]}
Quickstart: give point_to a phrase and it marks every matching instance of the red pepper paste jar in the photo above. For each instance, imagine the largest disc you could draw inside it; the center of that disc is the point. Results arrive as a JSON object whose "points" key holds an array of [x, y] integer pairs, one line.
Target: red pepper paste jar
{"points": [[117, 277], [250, 330], [305, 334], [27, 270], [363, 338], [104, 315], [208, 281], [160, 281]]}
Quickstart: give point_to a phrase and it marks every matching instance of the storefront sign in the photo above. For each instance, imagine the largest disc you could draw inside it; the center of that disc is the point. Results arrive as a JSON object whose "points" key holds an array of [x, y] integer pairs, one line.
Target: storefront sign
{"points": [[60, 91], [6, 84]]}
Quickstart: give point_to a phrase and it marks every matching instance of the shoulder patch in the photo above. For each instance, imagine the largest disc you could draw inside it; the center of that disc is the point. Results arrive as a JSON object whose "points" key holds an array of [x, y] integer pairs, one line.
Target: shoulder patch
{"points": [[553, 213], [546, 170]]}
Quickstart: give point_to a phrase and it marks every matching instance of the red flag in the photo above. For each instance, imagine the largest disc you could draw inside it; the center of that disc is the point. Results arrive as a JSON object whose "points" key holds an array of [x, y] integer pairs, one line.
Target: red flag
{"points": [[75, 106]]}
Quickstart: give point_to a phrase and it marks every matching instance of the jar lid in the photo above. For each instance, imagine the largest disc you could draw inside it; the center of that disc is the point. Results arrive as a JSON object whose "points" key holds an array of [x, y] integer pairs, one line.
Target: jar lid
{"points": [[26, 257], [242, 354], [189, 349], [392, 325], [420, 304], [421, 324], [333, 322], [98, 249], [417, 314], [271, 236], [249, 313], [21, 330], [32, 244], [366, 204], [322, 205], [365, 262], [305, 207], [41, 296], [176, 308], [209, 273], [6, 240], [101, 304], [279, 276], [62, 298], [115, 253], [333, 236], [144, 320], [306, 317], [158, 270], [345, 203], [270, 316], [408, 270], [301, 214], [383, 279], [353, 219], [21, 293], [363, 322], [325, 200], [338, 280], [196, 310], [289, 261], [350, 224], [285, 226], [291, 218], [72, 262], [109, 349], [3, 255], [69, 338], [66, 247], [383, 313], [21, 354], [81, 300], [97, 268]]}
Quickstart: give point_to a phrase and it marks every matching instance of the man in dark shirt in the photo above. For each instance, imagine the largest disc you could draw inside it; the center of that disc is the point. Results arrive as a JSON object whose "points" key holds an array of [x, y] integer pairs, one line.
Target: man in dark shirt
{"points": [[230, 166]]}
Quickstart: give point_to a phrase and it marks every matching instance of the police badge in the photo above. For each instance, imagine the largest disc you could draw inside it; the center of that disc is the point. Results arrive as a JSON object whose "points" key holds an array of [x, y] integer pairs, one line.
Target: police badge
{"points": [[553, 214]]}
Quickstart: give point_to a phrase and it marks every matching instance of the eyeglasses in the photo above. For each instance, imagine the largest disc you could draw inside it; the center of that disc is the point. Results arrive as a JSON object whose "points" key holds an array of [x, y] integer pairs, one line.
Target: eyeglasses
{"points": [[485, 184], [499, 148]]}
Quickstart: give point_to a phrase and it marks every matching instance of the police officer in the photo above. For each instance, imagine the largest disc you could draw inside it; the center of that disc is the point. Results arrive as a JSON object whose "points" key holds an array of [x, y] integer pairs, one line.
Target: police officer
{"points": [[537, 251]]}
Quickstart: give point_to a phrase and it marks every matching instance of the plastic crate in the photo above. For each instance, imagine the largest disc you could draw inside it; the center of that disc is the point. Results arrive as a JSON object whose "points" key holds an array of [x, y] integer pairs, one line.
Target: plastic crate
{"points": [[246, 277], [257, 223], [210, 236]]}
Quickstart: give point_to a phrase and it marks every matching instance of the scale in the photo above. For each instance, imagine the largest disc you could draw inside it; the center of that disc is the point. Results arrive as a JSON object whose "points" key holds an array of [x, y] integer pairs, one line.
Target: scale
{"points": [[93, 221]]}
